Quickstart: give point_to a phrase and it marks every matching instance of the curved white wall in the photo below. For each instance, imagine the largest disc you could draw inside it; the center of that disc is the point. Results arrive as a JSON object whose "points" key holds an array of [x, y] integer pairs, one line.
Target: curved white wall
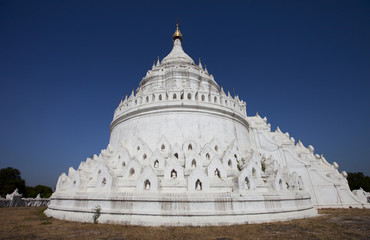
{"points": [[177, 125]]}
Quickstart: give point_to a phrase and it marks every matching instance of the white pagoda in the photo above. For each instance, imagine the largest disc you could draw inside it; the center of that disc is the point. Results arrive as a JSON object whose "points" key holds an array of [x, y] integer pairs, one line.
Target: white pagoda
{"points": [[184, 152]]}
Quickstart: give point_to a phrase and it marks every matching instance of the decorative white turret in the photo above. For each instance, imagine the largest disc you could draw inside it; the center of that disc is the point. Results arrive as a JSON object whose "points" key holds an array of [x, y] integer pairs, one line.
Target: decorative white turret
{"points": [[177, 55]]}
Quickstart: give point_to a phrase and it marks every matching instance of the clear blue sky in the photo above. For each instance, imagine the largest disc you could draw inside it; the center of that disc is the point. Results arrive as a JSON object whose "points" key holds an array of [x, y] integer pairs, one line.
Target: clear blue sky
{"points": [[64, 66]]}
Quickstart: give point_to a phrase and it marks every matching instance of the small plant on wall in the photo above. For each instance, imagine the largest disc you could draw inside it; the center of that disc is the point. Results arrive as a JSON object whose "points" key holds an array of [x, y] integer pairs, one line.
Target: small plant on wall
{"points": [[263, 166], [97, 212], [239, 164]]}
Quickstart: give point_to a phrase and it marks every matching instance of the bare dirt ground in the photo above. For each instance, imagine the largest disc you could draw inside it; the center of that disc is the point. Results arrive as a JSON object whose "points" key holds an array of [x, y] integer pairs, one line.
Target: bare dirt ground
{"points": [[31, 223]]}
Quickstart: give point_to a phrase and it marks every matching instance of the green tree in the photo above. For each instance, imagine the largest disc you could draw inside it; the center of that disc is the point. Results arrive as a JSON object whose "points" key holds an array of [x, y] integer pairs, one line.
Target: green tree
{"points": [[45, 191], [358, 180], [10, 179]]}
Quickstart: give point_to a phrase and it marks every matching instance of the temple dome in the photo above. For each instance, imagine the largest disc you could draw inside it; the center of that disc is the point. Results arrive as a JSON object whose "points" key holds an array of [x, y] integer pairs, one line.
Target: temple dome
{"points": [[177, 55], [183, 152]]}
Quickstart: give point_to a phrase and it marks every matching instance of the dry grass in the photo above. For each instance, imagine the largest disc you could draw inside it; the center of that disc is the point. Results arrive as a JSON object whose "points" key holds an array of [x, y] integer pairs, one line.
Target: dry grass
{"points": [[31, 223]]}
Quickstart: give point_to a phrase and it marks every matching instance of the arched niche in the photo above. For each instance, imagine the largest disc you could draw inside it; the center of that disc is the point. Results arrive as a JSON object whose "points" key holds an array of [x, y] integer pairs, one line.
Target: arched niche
{"points": [[245, 180], [177, 152], [75, 179], [171, 167], [198, 180], [147, 181], [142, 152], [132, 170], [247, 184], [193, 163], [120, 159], [164, 146], [104, 179], [147, 184], [216, 146], [279, 183], [137, 147], [229, 161], [216, 166], [198, 185], [190, 146], [157, 161], [207, 154], [191, 159], [254, 169], [173, 174]]}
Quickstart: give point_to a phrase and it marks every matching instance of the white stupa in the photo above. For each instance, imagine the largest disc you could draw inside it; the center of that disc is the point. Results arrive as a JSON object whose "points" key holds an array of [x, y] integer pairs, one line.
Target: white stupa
{"points": [[183, 152]]}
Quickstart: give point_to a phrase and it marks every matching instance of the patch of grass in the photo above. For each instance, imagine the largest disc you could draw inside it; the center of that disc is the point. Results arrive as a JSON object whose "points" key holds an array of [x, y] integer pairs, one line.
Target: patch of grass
{"points": [[31, 223], [46, 223], [41, 215]]}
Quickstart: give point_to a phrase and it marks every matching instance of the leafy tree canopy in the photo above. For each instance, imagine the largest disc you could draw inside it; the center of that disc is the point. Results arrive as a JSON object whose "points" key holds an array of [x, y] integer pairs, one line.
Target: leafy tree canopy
{"points": [[45, 192], [358, 180], [10, 179]]}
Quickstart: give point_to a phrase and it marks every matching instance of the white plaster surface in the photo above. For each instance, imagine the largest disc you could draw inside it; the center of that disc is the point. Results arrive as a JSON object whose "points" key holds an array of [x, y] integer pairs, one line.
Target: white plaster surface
{"points": [[170, 136]]}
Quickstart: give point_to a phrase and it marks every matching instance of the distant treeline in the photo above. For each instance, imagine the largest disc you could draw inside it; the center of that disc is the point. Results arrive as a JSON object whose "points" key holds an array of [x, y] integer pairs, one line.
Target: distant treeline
{"points": [[358, 180], [10, 179]]}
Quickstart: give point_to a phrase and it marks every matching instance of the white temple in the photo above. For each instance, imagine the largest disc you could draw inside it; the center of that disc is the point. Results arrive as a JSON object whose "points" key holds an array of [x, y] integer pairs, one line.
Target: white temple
{"points": [[183, 152]]}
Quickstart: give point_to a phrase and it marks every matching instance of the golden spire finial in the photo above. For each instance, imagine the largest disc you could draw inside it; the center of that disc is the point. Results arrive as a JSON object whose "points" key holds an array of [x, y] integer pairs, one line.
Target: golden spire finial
{"points": [[177, 34]]}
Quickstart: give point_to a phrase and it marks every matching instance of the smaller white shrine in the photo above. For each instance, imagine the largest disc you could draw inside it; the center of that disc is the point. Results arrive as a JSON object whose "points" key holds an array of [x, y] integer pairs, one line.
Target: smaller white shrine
{"points": [[13, 195], [184, 152], [15, 199]]}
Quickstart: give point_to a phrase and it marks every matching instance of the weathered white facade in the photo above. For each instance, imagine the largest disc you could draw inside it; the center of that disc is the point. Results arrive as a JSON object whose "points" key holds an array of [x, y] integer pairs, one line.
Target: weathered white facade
{"points": [[183, 152], [327, 187]]}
